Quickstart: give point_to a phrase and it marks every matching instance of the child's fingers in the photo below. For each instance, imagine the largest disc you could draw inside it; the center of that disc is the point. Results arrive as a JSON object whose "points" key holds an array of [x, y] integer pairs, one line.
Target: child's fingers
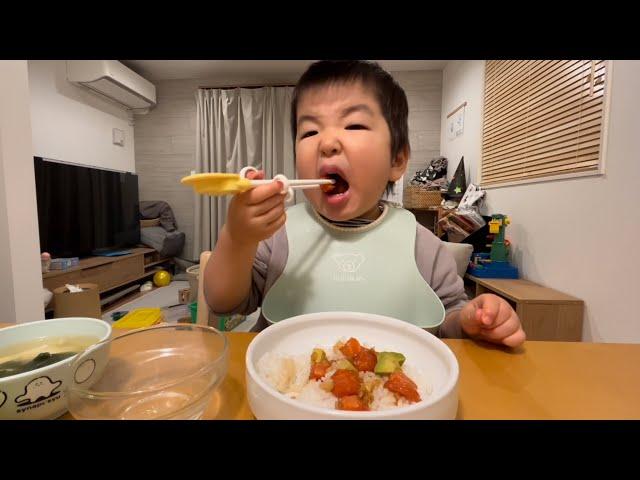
{"points": [[279, 222], [516, 339], [271, 215], [503, 315], [491, 318], [490, 311], [502, 331], [255, 175], [260, 194], [268, 204]]}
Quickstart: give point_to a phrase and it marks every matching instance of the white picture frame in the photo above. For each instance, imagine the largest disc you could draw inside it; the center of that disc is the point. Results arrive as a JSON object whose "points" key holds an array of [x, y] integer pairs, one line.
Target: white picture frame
{"points": [[455, 122]]}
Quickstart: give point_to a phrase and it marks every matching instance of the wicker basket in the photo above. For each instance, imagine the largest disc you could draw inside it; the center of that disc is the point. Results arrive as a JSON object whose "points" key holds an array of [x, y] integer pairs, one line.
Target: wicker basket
{"points": [[418, 197]]}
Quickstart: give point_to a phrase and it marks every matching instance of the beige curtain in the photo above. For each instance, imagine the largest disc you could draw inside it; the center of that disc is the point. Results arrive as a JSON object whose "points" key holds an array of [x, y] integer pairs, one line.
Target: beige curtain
{"points": [[236, 128]]}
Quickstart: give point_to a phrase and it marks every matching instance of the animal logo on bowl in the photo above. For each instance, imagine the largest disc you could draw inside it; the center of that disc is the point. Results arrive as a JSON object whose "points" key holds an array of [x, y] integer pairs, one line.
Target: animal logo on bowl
{"points": [[38, 389], [3, 398]]}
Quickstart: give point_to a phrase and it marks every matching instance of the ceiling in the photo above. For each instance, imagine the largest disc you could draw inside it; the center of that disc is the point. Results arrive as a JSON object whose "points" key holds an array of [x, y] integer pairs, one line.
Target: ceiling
{"points": [[257, 70]]}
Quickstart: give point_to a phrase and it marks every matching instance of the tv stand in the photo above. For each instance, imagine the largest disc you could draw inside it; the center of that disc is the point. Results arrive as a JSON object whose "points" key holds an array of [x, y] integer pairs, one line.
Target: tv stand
{"points": [[110, 252], [109, 273]]}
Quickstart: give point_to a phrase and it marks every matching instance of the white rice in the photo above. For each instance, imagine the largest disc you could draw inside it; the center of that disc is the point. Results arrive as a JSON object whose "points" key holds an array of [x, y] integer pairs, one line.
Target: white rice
{"points": [[289, 374]]}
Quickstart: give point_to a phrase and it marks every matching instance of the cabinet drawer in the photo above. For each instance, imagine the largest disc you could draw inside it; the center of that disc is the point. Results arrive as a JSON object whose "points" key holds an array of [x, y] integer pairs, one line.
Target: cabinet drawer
{"points": [[552, 322], [105, 276]]}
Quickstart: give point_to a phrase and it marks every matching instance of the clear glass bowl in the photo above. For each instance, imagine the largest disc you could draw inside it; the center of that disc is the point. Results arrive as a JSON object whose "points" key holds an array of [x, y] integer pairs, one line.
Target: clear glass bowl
{"points": [[163, 372]]}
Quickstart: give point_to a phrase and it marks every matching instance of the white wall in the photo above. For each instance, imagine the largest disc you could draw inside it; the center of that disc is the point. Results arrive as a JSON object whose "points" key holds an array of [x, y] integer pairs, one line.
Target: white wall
{"points": [[463, 81], [166, 152], [578, 236], [424, 96], [42, 114], [20, 276], [72, 124]]}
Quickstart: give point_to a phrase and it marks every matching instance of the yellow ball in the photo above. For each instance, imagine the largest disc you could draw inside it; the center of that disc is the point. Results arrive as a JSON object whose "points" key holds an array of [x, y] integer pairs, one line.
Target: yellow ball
{"points": [[162, 278]]}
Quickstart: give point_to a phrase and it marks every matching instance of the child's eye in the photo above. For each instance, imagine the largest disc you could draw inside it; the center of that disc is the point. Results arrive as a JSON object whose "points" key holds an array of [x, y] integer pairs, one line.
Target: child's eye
{"points": [[357, 126], [308, 134]]}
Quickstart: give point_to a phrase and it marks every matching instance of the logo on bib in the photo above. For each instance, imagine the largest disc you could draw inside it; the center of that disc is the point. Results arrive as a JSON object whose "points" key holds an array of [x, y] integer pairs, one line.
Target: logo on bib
{"points": [[348, 265]]}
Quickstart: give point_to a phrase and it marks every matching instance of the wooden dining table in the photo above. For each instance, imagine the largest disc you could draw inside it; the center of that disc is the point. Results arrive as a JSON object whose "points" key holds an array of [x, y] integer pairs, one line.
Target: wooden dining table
{"points": [[536, 381]]}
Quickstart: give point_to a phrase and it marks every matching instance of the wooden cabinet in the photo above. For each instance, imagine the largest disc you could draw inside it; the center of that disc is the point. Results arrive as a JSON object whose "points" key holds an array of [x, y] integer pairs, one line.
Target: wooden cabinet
{"points": [[430, 216], [108, 273], [546, 314]]}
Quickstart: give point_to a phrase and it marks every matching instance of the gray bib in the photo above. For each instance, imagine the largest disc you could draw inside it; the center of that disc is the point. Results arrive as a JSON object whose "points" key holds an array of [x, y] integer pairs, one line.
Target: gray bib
{"points": [[369, 269]]}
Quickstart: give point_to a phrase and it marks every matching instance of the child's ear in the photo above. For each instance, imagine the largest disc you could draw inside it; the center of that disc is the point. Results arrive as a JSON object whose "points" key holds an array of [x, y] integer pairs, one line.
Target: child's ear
{"points": [[399, 165]]}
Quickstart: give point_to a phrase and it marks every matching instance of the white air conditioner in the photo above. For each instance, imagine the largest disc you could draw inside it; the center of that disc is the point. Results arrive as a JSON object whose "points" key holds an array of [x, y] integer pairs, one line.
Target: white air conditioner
{"points": [[113, 80]]}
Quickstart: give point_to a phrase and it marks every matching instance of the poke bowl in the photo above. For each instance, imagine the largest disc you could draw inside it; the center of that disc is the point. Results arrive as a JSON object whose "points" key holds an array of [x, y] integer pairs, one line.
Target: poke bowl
{"points": [[35, 364], [350, 365]]}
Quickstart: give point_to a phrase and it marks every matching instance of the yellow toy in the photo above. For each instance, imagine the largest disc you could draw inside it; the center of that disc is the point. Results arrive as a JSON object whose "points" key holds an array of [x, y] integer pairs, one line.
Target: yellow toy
{"points": [[216, 184], [139, 318], [495, 224], [162, 278]]}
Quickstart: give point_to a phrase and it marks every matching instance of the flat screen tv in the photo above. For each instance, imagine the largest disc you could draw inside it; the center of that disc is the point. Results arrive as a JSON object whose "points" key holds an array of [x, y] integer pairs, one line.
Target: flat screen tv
{"points": [[85, 211]]}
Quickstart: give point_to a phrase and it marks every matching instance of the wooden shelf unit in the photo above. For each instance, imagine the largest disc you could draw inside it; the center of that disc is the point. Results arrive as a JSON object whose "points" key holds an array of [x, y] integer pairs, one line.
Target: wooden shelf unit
{"points": [[434, 213], [546, 314]]}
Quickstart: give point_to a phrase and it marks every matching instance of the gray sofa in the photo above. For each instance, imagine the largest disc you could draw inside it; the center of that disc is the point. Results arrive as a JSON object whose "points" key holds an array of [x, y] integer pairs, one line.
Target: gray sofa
{"points": [[164, 237]]}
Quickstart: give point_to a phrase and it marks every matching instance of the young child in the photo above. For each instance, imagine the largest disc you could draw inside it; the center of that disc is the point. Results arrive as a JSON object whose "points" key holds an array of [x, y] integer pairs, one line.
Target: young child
{"points": [[345, 249]]}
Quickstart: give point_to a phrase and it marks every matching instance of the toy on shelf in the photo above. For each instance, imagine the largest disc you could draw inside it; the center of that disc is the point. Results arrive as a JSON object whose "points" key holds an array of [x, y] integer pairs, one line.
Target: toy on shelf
{"points": [[496, 263], [45, 259], [458, 184]]}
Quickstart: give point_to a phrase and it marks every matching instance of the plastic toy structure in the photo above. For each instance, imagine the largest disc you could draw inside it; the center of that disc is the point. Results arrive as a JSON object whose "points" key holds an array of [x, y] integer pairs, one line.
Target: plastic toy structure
{"points": [[496, 263]]}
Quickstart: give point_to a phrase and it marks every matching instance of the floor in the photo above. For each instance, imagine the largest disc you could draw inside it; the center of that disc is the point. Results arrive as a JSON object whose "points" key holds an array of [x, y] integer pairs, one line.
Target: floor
{"points": [[167, 299], [159, 298]]}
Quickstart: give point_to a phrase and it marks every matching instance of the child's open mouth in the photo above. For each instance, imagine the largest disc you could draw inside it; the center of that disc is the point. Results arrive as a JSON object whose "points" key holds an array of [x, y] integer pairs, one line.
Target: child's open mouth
{"points": [[340, 186]]}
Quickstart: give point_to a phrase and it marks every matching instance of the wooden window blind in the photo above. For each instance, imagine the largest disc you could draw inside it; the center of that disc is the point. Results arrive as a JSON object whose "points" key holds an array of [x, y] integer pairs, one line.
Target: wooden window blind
{"points": [[542, 119]]}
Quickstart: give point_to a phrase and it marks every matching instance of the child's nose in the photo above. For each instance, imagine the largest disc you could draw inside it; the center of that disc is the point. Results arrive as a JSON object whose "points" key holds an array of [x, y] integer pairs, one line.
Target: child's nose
{"points": [[330, 145]]}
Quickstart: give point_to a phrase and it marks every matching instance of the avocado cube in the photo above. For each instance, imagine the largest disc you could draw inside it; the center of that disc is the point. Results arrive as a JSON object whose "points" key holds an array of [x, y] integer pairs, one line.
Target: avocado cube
{"points": [[388, 362]]}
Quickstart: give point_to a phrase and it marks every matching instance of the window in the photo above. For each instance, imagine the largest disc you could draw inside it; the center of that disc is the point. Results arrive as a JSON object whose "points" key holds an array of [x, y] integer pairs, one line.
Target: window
{"points": [[542, 120]]}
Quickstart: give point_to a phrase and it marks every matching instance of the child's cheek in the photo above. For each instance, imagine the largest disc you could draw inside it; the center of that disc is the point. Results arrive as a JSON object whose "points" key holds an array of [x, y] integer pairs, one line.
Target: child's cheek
{"points": [[305, 165]]}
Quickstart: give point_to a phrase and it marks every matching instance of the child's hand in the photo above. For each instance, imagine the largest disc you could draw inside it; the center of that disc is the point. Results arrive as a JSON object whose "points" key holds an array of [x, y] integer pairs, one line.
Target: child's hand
{"points": [[256, 214], [489, 317]]}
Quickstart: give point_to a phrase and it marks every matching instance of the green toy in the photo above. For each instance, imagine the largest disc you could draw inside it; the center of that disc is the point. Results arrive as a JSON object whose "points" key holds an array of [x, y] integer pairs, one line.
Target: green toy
{"points": [[497, 227], [495, 264]]}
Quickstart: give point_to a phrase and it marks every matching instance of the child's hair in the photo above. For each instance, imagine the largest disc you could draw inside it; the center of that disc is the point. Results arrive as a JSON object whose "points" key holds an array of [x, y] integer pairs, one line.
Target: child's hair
{"points": [[390, 96]]}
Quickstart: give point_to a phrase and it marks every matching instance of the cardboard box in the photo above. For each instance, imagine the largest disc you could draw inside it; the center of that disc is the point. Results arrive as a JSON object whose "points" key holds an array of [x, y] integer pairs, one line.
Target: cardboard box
{"points": [[80, 304]]}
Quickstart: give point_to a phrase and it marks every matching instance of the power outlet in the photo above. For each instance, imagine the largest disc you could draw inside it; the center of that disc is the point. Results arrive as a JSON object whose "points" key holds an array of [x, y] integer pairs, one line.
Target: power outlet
{"points": [[118, 137]]}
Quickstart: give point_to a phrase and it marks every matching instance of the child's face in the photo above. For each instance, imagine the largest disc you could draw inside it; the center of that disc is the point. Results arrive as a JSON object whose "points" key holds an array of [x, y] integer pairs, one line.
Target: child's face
{"points": [[341, 131]]}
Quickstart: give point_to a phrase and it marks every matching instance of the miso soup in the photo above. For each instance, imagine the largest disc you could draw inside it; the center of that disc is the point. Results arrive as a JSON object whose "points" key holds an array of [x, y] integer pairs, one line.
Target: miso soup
{"points": [[24, 357]]}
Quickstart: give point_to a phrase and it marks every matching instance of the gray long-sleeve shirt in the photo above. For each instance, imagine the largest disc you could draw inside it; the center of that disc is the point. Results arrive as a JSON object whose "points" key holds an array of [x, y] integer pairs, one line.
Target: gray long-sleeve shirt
{"points": [[435, 263]]}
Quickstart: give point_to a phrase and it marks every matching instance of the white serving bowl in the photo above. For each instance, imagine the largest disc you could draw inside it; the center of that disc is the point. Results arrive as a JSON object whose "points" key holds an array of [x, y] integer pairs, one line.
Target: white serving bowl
{"points": [[40, 393], [299, 335]]}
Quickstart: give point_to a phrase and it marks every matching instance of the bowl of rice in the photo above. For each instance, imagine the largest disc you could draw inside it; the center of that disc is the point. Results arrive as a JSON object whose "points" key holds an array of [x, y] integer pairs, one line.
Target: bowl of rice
{"points": [[350, 365]]}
